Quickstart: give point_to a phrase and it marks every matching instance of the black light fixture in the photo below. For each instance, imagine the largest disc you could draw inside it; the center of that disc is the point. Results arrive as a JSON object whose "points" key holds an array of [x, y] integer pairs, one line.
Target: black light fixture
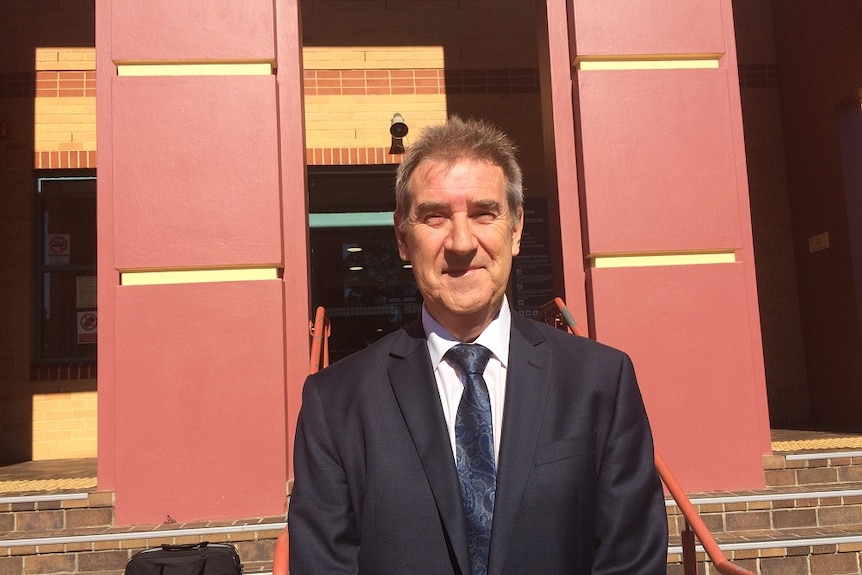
{"points": [[397, 129]]}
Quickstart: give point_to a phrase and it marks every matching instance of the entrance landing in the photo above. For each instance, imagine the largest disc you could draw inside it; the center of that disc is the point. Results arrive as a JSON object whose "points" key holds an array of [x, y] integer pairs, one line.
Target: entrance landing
{"points": [[796, 440], [58, 476], [50, 476]]}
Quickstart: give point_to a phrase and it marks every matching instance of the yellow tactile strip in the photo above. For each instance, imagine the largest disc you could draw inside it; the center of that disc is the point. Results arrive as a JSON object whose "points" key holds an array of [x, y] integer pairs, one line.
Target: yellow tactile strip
{"points": [[819, 443], [48, 476], [47, 485]]}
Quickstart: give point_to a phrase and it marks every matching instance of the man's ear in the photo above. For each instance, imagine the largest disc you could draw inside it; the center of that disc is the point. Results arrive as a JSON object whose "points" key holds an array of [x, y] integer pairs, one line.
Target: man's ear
{"points": [[516, 233], [400, 238]]}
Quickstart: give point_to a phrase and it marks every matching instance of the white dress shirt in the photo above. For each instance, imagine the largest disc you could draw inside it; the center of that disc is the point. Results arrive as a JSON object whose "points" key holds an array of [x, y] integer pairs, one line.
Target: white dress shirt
{"points": [[449, 386]]}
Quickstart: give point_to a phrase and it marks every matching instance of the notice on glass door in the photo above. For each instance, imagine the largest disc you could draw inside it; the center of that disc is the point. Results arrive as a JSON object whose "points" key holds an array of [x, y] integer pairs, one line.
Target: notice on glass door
{"points": [[531, 270]]}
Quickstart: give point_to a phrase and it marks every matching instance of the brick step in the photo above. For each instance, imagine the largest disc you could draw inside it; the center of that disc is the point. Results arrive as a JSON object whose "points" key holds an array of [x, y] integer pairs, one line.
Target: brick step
{"points": [[808, 520], [74, 533], [32, 513], [732, 514], [771, 539], [812, 551], [813, 468], [105, 550]]}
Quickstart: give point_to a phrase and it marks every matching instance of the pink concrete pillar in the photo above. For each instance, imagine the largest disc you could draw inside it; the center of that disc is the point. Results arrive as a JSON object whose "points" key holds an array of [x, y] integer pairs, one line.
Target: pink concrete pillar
{"points": [[663, 201], [200, 146]]}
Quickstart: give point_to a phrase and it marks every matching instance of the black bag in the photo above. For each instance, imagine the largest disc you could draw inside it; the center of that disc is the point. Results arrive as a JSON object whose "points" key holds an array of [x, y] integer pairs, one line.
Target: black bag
{"points": [[194, 559]]}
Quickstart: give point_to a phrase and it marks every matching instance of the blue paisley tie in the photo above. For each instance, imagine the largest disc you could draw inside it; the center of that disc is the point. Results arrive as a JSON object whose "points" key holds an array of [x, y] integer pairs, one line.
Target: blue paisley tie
{"points": [[474, 450]]}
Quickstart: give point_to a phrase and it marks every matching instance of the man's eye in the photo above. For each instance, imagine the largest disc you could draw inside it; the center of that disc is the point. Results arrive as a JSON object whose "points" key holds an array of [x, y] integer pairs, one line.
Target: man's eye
{"points": [[435, 219], [484, 217]]}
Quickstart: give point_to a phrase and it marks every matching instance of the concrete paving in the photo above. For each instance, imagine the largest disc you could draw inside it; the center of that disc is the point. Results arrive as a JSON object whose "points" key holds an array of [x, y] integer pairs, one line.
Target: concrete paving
{"points": [[51, 476]]}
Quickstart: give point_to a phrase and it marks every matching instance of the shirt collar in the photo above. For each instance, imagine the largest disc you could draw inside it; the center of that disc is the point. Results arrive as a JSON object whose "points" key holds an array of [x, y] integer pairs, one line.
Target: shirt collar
{"points": [[495, 337]]}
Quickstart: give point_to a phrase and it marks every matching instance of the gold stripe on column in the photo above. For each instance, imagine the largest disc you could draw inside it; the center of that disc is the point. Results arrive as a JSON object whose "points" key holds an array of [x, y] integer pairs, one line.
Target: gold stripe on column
{"points": [[663, 62], [650, 260], [194, 69], [167, 277]]}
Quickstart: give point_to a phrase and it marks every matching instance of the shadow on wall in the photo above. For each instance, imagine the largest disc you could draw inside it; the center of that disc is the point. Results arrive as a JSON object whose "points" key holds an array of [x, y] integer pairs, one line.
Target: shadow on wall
{"points": [[26, 26]]}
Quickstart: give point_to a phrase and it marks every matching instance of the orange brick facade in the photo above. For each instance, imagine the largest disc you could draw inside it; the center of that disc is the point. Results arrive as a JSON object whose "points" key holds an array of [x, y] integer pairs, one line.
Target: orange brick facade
{"points": [[65, 109], [339, 93], [47, 105]]}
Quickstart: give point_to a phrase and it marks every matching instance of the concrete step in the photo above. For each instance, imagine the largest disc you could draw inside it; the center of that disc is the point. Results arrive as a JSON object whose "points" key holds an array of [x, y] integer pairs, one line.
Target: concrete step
{"points": [[807, 520]]}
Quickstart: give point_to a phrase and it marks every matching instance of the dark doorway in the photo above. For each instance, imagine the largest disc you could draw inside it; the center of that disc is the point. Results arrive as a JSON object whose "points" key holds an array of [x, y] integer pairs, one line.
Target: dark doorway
{"points": [[356, 273]]}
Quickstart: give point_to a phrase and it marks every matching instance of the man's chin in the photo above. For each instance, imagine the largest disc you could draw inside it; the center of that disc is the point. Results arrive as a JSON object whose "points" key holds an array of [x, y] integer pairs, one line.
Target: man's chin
{"points": [[466, 308]]}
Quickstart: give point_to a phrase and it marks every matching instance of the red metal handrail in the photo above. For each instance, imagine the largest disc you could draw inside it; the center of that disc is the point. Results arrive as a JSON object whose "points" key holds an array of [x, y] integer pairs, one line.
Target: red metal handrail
{"points": [[319, 331], [281, 555], [696, 524], [555, 314]]}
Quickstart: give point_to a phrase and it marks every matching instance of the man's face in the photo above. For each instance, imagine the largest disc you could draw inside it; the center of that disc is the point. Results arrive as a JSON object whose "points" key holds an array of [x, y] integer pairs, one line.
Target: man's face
{"points": [[460, 238]]}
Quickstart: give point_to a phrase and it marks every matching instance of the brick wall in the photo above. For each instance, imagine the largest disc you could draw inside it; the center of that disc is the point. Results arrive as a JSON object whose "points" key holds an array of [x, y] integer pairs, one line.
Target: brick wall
{"points": [[425, 60], [47, 106], [65, 108], [351, 95], [784, 356], [64, 425]]}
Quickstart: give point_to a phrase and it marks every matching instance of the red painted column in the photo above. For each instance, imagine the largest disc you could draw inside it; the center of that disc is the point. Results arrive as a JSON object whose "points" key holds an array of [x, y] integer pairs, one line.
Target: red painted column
{"points": [[199, 154], [663, 202], [564, 205], [107, 276], [294, 207]]}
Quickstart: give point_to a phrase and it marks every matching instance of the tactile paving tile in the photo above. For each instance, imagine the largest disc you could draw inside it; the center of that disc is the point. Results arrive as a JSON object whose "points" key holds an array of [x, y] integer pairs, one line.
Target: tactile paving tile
{"points": [[818, 443], [47, 485]]}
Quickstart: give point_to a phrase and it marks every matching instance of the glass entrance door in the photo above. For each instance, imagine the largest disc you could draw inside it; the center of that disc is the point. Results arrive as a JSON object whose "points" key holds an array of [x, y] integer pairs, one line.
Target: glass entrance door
{"points": [[356, 273]]}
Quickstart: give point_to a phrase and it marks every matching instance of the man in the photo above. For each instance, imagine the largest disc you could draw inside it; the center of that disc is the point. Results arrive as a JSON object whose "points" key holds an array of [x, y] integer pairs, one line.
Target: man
{"points": [[546, 464]]}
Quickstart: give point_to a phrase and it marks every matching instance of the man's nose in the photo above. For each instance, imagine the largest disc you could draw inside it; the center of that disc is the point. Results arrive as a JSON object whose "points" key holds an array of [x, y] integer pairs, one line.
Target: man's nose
{"points": [[461, 239]]}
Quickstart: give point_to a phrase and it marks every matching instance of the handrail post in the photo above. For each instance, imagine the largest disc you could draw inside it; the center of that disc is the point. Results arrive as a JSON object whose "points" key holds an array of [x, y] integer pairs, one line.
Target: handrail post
{"points": [[319, 341], [689, 555]]}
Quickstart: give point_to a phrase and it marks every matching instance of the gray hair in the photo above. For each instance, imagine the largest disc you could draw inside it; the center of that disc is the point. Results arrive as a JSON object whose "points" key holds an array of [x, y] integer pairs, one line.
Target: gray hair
{"points": [[458, 140]]}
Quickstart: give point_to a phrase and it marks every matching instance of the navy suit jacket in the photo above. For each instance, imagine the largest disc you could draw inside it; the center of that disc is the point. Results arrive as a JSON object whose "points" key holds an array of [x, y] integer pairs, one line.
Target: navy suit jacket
{"points": [[376, 490]]}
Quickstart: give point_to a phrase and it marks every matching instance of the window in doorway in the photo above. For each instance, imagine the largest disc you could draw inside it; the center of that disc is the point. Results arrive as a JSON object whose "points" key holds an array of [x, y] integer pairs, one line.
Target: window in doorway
{"points": [[356, 273], [365, 287], [66, 319]]}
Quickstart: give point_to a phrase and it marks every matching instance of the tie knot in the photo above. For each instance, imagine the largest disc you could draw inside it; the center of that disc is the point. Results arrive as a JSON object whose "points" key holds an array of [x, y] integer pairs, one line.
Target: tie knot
{"points": [[469, 357]]}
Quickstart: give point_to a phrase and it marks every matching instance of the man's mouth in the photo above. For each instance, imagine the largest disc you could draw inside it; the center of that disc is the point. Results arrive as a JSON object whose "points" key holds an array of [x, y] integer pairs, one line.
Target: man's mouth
{"points": [[458, 272]]}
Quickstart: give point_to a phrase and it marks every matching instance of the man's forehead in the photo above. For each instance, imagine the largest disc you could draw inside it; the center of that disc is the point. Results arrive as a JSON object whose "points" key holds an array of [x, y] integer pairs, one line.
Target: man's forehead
{"points": [[470, 177], [434, 167]]}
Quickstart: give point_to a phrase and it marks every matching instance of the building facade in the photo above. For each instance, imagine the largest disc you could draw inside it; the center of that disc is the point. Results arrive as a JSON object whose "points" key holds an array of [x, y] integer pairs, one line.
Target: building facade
{"points": [[244, 177]]}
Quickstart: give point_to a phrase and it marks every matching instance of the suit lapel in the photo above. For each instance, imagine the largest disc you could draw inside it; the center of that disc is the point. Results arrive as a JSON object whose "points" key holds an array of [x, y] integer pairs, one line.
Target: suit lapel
{"points": [[526, 393], [412, 378]]}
